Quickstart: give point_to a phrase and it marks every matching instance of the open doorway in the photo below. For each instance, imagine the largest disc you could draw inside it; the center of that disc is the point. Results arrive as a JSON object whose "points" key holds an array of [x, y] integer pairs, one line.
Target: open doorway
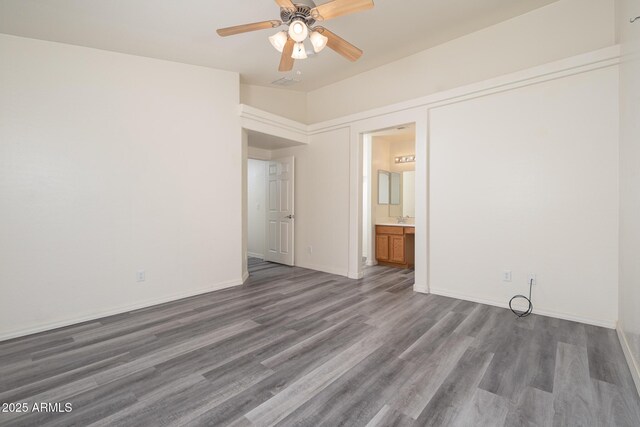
{"points": [[389, 160], [269, 203]]}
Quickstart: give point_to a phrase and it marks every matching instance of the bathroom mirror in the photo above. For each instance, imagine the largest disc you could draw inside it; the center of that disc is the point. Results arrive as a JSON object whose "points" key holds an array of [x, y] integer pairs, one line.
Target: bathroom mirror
{"points": [[383, 187], [395, 188], [397, 191]]}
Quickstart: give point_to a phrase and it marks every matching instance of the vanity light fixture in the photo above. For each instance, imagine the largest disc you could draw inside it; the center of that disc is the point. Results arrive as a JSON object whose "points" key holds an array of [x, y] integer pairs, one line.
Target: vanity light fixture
{"points": [[406, 159]]}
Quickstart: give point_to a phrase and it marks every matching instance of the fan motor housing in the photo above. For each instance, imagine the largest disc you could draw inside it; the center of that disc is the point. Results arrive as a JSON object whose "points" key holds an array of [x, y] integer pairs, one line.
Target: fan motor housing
{"points": [[303, 12]]}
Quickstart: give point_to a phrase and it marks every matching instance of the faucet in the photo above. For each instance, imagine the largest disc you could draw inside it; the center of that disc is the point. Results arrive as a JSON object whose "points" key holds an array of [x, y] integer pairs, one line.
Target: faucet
{"points": [[402, 219]]}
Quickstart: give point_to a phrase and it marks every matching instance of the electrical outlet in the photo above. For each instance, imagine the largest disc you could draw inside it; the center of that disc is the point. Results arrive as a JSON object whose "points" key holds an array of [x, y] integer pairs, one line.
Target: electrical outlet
{"points": [[532, 279], [140, 276], [506, 276]]}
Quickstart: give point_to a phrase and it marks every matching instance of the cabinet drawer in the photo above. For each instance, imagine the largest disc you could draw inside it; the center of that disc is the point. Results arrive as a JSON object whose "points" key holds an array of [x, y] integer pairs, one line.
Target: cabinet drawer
{"points": [[382, 229], [409, 230]]}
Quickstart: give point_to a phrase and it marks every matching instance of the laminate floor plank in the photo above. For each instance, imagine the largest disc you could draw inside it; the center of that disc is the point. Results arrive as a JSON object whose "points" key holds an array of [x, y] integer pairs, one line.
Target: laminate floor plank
{"points": [[299, 347], [389, 417], [574, 394], [484, 409], [533, 408], [457, 389]]}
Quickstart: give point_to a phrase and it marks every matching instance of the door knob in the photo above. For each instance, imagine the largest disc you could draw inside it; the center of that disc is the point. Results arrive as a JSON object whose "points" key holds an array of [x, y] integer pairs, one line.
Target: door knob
{"points": [[289, 216]]}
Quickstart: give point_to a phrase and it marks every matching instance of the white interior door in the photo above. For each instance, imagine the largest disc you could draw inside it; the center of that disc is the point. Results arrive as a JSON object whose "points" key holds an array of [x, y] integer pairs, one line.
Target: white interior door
{"points": [[280, 211]]}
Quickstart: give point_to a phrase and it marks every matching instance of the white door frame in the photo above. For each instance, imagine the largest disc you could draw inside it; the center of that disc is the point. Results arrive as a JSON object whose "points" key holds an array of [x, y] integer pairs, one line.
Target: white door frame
{"points": [[253, 119], [419, 116]]}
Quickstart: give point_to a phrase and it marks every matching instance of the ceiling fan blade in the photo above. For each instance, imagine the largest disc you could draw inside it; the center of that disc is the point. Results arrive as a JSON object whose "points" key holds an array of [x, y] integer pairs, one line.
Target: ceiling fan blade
{"points": [[286, 61], [340, 45], [336, 8], [286, 4], [238, 29]]}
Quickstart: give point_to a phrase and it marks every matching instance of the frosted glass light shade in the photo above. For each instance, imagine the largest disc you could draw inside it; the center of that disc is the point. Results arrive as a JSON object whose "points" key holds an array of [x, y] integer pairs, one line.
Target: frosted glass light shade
{"points": [[298, 31], [318, 41], [299, 52], [278, 40]]}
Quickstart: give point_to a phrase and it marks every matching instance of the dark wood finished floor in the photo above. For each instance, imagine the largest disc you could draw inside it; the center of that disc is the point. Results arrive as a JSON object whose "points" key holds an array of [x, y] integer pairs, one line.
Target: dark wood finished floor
{"points": [[298, 347]]}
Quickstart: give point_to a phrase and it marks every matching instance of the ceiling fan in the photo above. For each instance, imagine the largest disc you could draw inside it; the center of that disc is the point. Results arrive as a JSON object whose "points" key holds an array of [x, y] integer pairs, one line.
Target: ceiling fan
{"points": [[300, 17]]}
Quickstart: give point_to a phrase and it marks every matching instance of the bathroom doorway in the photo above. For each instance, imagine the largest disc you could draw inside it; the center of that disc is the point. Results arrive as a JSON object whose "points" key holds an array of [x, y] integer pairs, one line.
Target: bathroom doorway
{"points": [[389, 159]]}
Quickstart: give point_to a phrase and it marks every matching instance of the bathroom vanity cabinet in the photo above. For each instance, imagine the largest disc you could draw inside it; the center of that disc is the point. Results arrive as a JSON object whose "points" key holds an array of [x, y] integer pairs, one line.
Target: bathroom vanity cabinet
{"points": [[395, 245]]}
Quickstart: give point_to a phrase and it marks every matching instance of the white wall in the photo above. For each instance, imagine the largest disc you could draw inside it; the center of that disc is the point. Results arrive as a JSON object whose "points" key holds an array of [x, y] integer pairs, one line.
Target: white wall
{"points": [[559, 30], [283, 102], [527, 180], [111, 163], [322, 201], [629, 324], [257, 173], [380, 160]]}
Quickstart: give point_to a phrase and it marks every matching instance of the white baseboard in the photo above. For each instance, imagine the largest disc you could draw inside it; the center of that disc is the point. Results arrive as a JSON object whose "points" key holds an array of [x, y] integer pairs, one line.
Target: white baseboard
{"points": [[634, 367], [7, 335], [505, 304], [355, 275], [324, 269], [245, 276], [255, 255], [419, 289]]}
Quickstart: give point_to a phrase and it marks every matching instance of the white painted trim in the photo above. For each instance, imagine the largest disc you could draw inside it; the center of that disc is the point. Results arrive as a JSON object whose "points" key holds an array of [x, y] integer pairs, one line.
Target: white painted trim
{"points": [[573, 65], [324, 268], [417, 111], [255, 255], [245, 276], [248, 111], [117, 310], [578, 64], [634, 366], [418, 116], [271, 124], [610, 324]]}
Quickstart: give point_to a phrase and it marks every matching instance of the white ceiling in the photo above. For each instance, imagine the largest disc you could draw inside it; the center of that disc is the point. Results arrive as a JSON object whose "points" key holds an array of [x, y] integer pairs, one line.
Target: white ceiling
{"points": [[184, 31]]}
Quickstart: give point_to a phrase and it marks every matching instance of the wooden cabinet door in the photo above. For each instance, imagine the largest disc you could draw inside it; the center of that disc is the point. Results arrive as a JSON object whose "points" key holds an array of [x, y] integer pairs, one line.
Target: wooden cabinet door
{"points": [[382, 248], [396, 249]]}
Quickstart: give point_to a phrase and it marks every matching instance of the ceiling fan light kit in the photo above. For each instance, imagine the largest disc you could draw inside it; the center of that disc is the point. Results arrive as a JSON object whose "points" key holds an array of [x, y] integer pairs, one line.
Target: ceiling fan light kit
{"points": [[318, 41], [298, 30], [299, 51], [300, 17], [278, 40]]}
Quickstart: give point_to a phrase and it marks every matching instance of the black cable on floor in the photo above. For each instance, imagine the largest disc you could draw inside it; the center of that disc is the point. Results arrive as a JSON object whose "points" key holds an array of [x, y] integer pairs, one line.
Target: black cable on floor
{"points": [[529, 309]]}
